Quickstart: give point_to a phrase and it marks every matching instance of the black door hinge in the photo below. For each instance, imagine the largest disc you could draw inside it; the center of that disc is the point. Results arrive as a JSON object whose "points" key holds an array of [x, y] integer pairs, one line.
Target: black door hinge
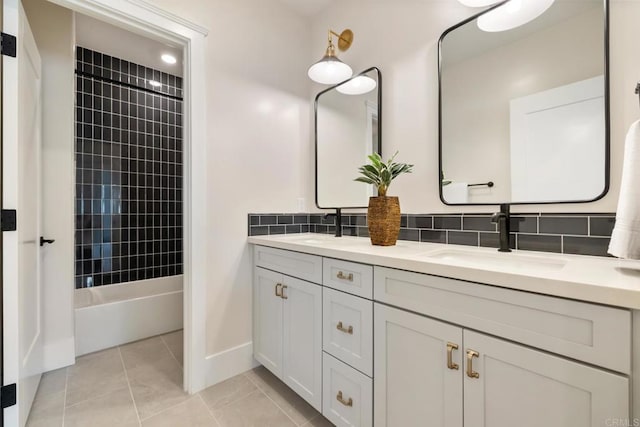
{"points": [[8, 44], [8, 395], [8, 220]]}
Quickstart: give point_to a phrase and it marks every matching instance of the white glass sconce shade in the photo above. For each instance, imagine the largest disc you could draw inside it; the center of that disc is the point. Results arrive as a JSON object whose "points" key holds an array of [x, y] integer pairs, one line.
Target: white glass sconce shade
{"points": [[330, 70], [478, 3], [357, 86], [513, 14]]}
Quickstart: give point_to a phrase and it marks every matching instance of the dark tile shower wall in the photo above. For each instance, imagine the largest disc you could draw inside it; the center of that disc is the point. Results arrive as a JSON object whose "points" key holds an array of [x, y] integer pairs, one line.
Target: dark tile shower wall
{"points": [[128, 172], [582, 234]]}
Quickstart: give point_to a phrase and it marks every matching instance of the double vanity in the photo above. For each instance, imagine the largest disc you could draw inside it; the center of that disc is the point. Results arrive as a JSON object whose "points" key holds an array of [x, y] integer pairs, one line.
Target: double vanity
{"points": [[442, 335]]}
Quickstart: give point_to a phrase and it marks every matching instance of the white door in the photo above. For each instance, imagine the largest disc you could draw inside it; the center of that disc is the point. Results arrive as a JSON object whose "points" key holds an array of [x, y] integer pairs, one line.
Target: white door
{"points": [[267, 319], [519, 386], [415, 383], [302, 354], [22, 292]]}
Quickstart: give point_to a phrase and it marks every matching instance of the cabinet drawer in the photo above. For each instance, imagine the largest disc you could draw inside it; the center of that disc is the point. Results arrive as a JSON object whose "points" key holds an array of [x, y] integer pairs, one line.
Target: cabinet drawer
{"points": [[346, 394], [296, 264], [348, 329], [350, 277], [592, 333]]}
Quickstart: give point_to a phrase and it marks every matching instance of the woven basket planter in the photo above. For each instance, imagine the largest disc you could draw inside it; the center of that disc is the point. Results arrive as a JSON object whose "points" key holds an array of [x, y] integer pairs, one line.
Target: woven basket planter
{"points": [[383, 218]]}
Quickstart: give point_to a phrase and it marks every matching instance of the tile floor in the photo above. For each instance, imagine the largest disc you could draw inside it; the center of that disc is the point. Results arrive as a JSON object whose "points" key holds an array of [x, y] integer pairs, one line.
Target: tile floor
{"points": [[140, 384]]}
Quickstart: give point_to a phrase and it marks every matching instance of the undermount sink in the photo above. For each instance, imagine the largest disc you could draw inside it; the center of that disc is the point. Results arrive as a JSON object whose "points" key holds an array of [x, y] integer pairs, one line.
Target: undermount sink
{"points": [[500, 260]]}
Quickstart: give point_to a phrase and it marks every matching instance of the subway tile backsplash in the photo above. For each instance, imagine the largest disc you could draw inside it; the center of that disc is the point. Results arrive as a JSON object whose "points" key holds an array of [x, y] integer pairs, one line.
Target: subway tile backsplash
{"points": [[582, 234]]}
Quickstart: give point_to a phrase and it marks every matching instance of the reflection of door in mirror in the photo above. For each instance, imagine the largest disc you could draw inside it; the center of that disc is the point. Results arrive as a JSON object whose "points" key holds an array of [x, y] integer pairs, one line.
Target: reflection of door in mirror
{"points": [[347, 131], [484, 75]]}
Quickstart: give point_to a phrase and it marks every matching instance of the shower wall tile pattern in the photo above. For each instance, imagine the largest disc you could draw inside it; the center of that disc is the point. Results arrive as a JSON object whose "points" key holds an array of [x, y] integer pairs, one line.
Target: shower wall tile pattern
{"points": [[129, 172]]}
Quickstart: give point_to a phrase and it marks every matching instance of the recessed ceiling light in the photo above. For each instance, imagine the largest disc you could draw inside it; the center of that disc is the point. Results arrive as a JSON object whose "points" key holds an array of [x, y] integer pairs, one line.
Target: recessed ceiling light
{"points": [[169, 59], [155, 83]]}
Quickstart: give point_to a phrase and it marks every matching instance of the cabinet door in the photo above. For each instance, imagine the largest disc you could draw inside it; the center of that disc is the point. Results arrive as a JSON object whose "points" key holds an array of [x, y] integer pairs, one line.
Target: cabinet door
{"points": [[413, 383], [520, 386], [302, 355], [267, 320]]}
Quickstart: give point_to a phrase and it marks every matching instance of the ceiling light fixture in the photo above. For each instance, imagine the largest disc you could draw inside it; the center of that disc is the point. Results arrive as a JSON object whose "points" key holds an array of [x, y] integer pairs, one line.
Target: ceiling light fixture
{"points": [[513, 14], [155, 83], [478, 3], [169, 59], [330, 70], [357, 86]]}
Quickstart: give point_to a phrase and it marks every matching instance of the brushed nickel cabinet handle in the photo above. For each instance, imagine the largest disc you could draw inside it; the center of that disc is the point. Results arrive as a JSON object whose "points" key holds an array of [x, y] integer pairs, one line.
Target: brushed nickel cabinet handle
{"points": [[341, 328], [279, 290], [343, 276], [450, 364], [348, 402], [470, 355], [282, 295]]}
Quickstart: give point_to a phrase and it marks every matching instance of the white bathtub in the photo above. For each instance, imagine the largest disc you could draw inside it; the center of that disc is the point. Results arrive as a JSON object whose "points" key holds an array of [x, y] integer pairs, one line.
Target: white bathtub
{"points": [[107, 316]]}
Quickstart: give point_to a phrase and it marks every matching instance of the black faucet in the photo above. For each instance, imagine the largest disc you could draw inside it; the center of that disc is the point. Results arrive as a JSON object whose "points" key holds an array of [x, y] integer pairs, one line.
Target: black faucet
{"points": [[338, 216], [503, 220]]}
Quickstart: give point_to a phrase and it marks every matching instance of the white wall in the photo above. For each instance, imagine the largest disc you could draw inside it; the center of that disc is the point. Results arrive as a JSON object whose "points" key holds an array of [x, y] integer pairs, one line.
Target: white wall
{"points": [[53, 29], [258, 132], [400, 37]]}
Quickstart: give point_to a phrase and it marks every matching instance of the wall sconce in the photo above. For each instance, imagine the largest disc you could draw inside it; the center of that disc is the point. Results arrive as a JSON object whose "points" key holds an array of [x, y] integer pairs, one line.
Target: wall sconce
{"points": [[330, 70], [357, 86], [478, 3], [512, 14]]}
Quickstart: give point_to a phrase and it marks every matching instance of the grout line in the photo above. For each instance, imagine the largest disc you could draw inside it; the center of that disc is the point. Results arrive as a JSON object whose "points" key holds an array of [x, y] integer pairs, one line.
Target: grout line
{"points": [[171, 352], [209, 409], [64, 400], [273, 401], [126, 376]]}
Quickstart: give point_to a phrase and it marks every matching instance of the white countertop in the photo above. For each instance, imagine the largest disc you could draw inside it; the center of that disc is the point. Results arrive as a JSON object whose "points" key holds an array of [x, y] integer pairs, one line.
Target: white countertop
{"points": [[586, 278]]}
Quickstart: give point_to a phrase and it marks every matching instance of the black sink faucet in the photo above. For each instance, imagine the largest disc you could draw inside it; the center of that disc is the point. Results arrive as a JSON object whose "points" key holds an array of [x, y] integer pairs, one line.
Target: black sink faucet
{"points": [[338, 216], [503, 220]]}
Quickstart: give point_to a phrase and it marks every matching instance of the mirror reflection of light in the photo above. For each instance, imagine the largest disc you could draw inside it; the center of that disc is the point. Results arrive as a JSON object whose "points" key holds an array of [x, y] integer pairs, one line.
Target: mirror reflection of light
{"points": [[357, 86], [513, 14]]}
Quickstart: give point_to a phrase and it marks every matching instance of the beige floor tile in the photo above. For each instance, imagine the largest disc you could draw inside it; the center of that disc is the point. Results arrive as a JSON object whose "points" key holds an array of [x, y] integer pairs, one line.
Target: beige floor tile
{"points": [[53, 382], [95, 375], [113, 409], [192, 413], [295, 406], [254, 410], [227, 391], [47, 410], [144, 352], [174, 341], [319, 421], [156, 386]]}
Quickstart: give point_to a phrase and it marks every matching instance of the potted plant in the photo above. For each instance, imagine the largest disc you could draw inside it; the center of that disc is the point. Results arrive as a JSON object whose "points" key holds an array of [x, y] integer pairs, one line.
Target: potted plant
{"points": [[383, 215]]}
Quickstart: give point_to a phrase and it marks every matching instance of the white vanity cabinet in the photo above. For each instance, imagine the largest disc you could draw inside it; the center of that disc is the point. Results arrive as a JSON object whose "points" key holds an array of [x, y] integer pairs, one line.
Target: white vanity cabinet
{"points": [[287, 328], [369, 345], [445, 373]]}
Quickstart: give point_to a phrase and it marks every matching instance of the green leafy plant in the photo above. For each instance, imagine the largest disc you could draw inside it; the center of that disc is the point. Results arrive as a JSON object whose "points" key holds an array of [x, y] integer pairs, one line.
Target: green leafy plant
{"points": [[380, 173]]}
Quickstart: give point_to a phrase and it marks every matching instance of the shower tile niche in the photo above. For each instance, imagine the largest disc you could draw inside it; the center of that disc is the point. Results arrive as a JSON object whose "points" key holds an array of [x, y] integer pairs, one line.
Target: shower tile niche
{"points": [[129, 171]]}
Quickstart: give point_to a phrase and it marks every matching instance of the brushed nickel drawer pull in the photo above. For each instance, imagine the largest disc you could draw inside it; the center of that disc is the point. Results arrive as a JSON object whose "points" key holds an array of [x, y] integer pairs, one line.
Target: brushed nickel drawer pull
{"points": [[282, 295], [340, 399], [470, 355], [279, 290], [341, 328], [343, 276], [450, 364]]}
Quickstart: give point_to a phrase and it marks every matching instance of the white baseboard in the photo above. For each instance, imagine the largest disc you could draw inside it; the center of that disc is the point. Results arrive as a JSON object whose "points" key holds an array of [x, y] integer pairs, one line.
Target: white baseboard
{"points": [[229, 363], [59, 354]]}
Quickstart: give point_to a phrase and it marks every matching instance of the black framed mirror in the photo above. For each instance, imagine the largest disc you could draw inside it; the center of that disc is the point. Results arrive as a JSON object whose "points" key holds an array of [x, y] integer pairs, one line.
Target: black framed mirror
{"points": [[524, 113], [348, 128]]}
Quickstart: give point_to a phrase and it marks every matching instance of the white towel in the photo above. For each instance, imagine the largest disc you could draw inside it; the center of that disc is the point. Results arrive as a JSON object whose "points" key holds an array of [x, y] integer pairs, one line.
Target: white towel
{"points": [[625, 240], [456, 192]]}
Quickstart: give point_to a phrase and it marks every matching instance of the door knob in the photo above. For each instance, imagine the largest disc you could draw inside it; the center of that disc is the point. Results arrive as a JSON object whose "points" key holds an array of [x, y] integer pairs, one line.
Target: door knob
{"points": [[44, 241]]}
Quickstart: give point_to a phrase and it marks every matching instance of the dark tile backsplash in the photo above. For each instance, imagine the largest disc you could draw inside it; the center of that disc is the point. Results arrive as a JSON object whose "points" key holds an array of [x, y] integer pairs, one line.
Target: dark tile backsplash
{"points": [[583, 234], [128, 172]]}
